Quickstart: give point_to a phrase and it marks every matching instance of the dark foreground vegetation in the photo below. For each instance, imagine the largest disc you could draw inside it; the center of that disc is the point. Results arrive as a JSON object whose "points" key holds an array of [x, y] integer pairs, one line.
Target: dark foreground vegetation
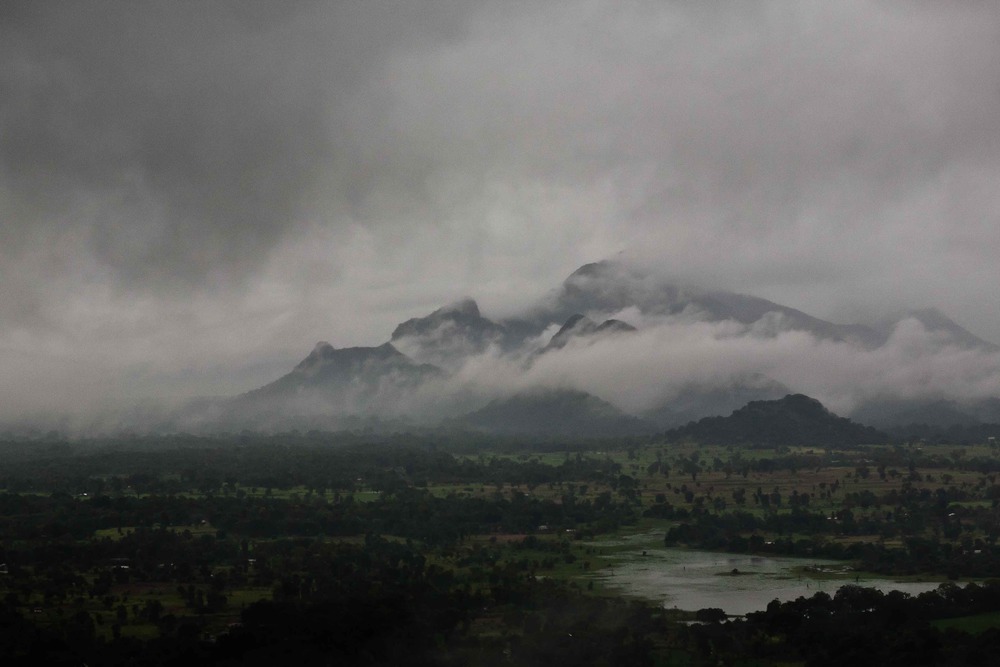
{"points": [[452, 550]]}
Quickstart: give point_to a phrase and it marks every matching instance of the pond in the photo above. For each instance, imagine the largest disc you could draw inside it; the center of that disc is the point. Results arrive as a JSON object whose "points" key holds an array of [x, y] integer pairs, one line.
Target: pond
{"points": [[737, 584]]}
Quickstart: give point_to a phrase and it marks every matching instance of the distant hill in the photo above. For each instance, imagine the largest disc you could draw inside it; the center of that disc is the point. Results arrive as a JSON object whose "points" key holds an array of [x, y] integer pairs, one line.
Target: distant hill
{"points": [[327, 386], [935, 321], [795, 419], [561, 412], [893, 413], [694, 401], [330, 371]]}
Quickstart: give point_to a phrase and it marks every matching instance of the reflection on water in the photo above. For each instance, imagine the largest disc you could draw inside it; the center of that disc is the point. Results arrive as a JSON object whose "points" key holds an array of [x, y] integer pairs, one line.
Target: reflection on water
{"points": [[737, 584]]}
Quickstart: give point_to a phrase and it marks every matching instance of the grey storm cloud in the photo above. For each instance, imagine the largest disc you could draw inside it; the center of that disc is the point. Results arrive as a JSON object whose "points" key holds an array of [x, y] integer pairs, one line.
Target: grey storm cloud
{"points": [[192, 194], [184, 138]]}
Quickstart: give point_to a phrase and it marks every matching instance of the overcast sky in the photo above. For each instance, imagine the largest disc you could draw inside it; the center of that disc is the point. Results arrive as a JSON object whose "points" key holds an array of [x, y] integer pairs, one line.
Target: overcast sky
{"points": [[192, 194]]}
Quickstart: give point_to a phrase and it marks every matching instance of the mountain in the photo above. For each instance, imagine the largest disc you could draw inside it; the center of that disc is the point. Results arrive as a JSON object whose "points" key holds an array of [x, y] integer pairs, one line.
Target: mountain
{"points": [[440, 365], [793, 420], [329, 370], [932, 412], [695, 401], [450, 334], [331, 383], [580, 326], [936, 322], [610, 287], [891, 413], [554, 412]]}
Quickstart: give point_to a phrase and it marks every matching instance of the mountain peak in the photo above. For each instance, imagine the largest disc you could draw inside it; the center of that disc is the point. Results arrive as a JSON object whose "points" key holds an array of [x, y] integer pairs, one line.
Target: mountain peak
{"points": [[576, 321], [933, 320], [324, 353], [448, 335], [582, 326], [464, 312], [321, 351], [590, 270], [613, 326], [464, 306]]}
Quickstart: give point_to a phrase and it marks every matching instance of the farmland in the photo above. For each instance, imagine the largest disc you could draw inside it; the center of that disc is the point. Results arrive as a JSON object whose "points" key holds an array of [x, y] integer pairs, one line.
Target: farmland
{"points": [[173, 547]]}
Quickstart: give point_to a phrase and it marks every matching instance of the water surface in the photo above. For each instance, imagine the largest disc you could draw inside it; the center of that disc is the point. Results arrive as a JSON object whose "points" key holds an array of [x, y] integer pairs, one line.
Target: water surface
{"points": [[691, 580]]}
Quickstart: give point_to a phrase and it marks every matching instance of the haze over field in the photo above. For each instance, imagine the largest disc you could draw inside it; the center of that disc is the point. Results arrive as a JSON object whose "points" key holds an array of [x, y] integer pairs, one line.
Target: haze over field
{"points": [[191, 196]]}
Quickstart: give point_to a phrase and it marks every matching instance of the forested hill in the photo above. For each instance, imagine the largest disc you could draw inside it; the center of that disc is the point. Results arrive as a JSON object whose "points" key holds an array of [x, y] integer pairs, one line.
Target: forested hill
{"points": [[795, 419], [562, 412]]}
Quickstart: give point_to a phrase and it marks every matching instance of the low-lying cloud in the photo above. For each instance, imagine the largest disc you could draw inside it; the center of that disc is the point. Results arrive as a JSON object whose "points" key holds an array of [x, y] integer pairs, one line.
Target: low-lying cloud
{"points": [[644, 370]]}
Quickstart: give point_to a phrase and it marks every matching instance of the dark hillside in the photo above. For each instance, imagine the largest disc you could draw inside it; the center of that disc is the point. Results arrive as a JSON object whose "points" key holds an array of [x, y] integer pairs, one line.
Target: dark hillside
{"points": [[554, 412], [795, 419]]}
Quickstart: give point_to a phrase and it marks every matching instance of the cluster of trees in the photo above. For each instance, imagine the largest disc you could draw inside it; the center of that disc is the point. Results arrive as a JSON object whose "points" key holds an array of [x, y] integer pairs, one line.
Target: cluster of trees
{"points": [[379, 602], [916, 531], [385, 602], [42, 528], [321, 464], [858, 626]]}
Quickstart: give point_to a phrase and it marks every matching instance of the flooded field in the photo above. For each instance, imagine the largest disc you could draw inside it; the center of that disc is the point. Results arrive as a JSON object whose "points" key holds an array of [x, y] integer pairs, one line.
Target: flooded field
{"points": [[737, 584]]}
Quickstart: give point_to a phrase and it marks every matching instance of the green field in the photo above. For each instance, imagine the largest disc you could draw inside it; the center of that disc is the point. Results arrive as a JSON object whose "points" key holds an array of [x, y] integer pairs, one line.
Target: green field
{"points": [[974, 624]]}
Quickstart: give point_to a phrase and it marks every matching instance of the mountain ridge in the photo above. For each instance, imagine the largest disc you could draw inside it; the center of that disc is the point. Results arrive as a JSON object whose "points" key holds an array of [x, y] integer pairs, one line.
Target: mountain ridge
{"points": [[464, 354]]}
